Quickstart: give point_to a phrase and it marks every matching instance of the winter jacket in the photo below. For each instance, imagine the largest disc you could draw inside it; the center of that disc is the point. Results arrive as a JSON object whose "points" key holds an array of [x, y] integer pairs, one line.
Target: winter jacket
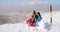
{"points": [[30, 23], [38, 19]]}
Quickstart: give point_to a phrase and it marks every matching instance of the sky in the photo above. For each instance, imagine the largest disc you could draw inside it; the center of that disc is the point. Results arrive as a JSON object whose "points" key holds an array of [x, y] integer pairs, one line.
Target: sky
{"points": [[21, 5], [27, 1]]}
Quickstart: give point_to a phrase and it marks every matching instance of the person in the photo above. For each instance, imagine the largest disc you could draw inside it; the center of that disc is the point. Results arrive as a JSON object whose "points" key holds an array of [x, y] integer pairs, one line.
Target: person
{"points": [[34, 13], [31, 20], [39, 16]]}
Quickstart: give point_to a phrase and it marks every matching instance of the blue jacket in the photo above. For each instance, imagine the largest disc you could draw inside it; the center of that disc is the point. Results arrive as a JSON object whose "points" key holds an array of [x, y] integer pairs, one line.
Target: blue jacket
{"points": [[38, 19]]}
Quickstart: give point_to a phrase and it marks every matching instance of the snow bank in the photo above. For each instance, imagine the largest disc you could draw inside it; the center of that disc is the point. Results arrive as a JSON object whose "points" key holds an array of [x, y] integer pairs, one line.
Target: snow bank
{"points": [[20, 27], [13, 28]]}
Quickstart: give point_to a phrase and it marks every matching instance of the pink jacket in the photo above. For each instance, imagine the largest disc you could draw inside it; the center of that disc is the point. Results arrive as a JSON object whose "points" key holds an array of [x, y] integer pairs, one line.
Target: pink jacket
{"points": [[30, 23]]}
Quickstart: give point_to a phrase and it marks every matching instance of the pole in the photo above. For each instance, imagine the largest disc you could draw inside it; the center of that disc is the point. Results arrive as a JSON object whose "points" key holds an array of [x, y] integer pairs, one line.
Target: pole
{"points": [[51, 13]]}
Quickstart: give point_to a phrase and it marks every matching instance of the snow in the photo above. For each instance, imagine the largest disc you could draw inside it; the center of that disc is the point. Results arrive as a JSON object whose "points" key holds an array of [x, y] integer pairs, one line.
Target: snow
{"points": [[13, 28], [44, 25]]}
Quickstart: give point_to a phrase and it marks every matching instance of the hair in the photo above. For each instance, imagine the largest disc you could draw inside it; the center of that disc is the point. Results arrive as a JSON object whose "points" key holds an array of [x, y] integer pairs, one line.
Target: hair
{"points": [[38, 13], [34, 12]]}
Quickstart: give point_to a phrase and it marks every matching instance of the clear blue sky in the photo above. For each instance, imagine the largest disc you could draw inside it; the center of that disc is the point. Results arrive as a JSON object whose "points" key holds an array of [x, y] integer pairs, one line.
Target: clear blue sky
{"points": [[25, 1]]}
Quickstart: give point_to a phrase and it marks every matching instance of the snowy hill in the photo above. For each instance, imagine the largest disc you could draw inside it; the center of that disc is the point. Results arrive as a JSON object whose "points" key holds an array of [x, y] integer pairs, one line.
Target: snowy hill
{"points": [[23, 27]]}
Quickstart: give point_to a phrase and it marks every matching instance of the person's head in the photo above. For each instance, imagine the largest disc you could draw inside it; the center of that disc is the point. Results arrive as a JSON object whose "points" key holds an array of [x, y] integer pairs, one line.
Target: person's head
{"points": [[34, 12], [38, 13]]}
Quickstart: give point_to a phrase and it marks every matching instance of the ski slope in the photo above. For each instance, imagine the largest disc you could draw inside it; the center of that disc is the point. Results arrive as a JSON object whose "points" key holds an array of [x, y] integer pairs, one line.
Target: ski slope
{"points": [[44, 25]]}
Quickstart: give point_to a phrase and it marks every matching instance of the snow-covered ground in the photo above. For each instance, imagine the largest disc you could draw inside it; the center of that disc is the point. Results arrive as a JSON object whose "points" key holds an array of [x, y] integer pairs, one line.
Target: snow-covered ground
{"points": [[44, 25]]}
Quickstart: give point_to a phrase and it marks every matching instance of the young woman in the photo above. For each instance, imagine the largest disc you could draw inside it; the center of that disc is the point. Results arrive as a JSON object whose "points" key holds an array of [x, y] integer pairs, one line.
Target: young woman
{"points": [[31, 20], [39, 16]]}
